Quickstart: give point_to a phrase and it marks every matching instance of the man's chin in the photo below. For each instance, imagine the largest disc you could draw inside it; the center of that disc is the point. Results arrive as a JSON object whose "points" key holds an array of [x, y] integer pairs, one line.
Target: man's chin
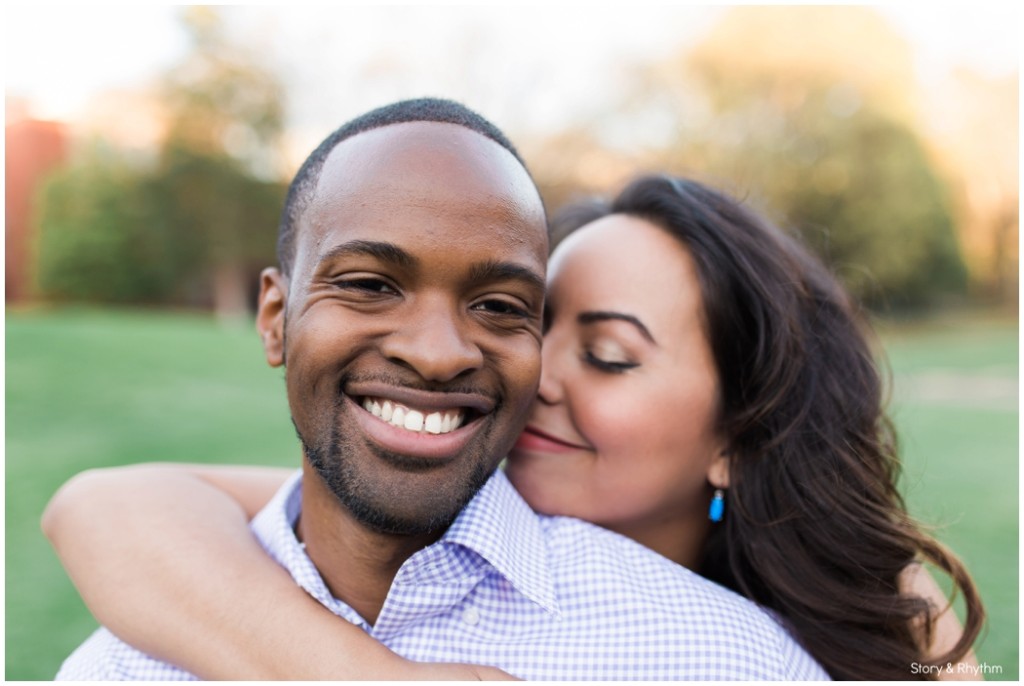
{"points": [[395, 493], [411, 500], [389, 523]]}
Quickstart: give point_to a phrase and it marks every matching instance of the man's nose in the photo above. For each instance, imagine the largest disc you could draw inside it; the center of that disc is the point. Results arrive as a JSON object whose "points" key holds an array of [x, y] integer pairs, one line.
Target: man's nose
{"points": [[434, 341]]}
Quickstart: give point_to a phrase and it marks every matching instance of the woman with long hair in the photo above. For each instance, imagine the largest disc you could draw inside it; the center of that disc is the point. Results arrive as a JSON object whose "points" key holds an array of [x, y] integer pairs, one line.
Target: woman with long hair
{"points": [[708, 389]]}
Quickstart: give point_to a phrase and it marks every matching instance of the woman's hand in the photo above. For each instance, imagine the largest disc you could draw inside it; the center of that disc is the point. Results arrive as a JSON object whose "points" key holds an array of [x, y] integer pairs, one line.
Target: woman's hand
{"points": [[945, 629]]}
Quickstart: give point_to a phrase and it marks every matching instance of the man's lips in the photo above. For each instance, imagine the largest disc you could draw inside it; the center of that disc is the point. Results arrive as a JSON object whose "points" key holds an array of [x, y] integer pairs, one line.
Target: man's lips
{"points": [[424, 401], [534, 440], [440, 425]]}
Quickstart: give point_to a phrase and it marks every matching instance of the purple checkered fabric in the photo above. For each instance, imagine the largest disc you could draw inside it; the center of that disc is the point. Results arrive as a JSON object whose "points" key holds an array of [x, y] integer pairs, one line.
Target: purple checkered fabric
{"points": [[540, 597]]}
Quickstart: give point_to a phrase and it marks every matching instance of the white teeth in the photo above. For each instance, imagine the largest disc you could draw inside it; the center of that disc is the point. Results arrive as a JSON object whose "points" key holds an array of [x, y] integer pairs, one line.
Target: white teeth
{"points": [[433, 423], [414, 420]]}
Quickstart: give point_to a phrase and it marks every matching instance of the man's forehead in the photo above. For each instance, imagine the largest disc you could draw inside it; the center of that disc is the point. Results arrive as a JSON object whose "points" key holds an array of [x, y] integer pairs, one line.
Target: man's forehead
{"points": [[425, 150], [431, 171], [421, 185]]}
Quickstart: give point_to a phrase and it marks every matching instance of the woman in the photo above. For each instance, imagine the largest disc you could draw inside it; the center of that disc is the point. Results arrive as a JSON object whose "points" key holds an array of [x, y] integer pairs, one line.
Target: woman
{"points": [[695, 360]]}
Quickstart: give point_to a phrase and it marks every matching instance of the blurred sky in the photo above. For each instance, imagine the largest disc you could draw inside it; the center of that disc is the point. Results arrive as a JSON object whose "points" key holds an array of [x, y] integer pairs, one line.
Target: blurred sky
{"points": [[531, 68]]}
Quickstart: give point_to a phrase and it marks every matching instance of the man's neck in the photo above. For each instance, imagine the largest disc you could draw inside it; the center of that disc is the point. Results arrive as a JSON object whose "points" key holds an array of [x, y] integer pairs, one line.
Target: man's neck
{"points": [[357, 564]]}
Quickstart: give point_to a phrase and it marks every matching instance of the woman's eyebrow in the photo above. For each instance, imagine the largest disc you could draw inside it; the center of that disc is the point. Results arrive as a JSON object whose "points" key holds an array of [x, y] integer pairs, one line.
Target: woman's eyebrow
{"points": [[603, 316], [386, 252]]}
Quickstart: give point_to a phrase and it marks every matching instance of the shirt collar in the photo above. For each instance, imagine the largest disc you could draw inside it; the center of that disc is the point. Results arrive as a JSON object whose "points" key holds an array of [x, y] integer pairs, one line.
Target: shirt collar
{"points": [[498, 525], [274, 526]]}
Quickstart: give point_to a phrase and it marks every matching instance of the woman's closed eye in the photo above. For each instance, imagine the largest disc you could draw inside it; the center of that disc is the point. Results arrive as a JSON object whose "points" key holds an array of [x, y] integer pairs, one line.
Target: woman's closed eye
{"points": [[605, 360]]}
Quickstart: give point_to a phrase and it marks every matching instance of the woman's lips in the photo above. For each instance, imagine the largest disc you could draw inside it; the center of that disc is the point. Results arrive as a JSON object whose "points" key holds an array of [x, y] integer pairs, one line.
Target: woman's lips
{"points": [[534, 440]]}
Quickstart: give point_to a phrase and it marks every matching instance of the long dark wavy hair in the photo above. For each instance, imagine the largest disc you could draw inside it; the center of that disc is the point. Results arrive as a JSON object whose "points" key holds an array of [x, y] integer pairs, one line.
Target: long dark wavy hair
{"points": [[815, 528]]}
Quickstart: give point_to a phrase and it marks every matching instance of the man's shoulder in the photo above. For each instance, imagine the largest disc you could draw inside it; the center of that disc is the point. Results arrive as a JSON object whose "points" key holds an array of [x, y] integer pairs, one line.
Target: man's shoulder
{"points": [[609, 557], [104, 657], [668, 605], [601, 568]]}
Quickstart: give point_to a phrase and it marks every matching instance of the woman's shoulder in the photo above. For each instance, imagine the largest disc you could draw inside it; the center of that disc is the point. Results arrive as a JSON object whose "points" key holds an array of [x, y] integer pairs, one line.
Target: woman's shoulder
{"points": [[589, 562]]}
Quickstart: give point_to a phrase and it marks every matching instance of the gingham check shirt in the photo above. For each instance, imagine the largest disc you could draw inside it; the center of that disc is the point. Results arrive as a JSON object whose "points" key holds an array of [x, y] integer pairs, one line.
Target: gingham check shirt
{"points": [[540, 597]]}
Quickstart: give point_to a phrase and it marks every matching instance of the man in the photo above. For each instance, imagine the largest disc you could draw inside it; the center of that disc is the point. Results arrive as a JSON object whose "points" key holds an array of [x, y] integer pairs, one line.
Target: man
{"points": [[407, 314]]}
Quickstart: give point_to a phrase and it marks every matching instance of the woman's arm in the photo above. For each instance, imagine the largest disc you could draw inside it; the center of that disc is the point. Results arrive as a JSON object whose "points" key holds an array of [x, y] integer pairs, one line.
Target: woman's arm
{"points": [[946, 629], [163, 557]]}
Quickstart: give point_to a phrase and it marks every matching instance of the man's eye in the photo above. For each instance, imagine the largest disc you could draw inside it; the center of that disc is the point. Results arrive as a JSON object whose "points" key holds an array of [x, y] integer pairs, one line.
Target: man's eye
{"points": [[502, 307], [367, 285]]}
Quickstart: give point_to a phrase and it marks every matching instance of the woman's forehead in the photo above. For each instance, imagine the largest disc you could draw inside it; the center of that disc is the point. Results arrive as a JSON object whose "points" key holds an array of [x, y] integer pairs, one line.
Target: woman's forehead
{"points": [[626, 263]]}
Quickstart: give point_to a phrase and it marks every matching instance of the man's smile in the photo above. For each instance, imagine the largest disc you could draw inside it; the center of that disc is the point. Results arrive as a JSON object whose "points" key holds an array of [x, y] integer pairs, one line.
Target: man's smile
{"points": [[437, 422], [418, 423]]}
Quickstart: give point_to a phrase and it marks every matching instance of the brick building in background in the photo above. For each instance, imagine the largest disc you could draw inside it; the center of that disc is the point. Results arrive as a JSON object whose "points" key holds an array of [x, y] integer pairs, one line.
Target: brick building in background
{"points": [[34, 148]]}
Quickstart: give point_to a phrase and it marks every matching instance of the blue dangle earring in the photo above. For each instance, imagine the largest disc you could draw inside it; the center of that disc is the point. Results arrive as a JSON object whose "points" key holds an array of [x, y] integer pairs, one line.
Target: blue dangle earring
{"points": [[717, 509]]}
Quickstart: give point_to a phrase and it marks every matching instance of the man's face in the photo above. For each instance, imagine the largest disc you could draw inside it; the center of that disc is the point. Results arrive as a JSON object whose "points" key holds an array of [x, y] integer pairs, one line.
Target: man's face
{"points": [[411, 321]]}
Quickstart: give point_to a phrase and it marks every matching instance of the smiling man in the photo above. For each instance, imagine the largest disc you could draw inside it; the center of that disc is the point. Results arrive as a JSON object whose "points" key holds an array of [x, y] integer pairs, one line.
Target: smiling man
{"points": [[408, 311], [407, 314]]}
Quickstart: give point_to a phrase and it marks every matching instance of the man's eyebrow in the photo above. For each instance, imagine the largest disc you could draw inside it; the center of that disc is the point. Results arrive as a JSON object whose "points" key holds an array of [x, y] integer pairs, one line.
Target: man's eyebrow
{"points": [[494, 270], [386, 252], [603, 316]]}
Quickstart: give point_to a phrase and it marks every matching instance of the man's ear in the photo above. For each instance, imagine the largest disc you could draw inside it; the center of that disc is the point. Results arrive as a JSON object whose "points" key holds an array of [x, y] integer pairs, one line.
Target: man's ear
{"points": [[718, 470], [270, 314]]}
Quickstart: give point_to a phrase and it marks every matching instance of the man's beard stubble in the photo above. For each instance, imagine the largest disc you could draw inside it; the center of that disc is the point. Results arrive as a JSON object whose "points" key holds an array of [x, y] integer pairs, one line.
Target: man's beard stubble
{"points": [[330, 459]]}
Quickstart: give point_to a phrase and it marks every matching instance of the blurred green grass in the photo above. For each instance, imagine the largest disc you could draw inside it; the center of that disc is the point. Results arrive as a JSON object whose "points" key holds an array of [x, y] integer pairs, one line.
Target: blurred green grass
{"points": [[89, 388], [955, 404]]}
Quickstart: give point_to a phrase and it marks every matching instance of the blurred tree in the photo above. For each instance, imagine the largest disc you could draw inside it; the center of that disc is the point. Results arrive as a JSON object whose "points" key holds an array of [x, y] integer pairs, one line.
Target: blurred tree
{"points": [[225, 119], [860, 190], [789, 105], [97, 238], [974, 133], [779, 51], [224, 220], [195, 225]]}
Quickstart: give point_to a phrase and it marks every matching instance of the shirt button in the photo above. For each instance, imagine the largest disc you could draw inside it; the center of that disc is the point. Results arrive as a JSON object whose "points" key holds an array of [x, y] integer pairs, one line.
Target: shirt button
{"points": [[470, 616]]}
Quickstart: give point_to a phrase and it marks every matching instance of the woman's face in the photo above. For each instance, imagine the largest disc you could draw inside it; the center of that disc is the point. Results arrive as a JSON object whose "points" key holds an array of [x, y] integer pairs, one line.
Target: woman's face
{"points": [[623, 430]]}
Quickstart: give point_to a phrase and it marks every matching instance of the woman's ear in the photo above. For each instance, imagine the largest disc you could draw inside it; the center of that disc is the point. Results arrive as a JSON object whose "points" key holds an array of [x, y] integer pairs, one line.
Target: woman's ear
{"points": [[270, 314], [718, 470]]}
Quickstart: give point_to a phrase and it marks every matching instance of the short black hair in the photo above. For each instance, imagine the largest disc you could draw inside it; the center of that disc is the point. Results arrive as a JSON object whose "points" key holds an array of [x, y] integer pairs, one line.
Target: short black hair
{"points": [[300, 192]]}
